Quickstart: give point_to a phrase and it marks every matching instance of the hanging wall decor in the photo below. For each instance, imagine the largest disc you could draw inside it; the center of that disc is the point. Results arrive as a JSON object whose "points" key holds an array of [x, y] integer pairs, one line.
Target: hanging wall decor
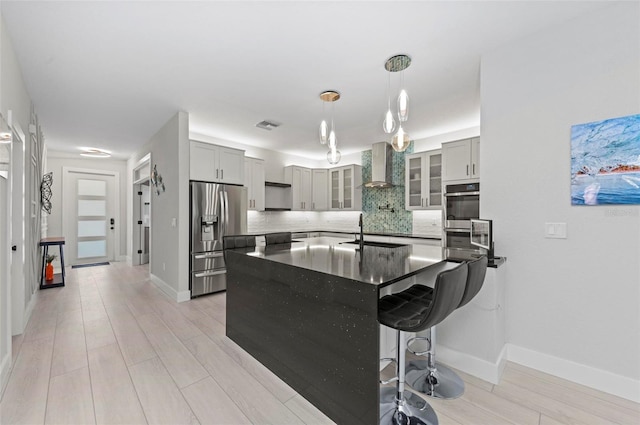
{"points": [[605, 162], [45, 192], [156, 180]]}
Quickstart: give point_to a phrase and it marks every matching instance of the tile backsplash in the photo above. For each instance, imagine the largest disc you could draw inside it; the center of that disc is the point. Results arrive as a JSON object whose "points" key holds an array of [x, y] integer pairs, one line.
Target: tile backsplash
{"points": [[378, 202]]}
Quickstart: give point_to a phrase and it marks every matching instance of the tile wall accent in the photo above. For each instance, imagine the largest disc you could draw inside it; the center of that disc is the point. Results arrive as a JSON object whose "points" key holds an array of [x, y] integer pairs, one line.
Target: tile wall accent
{"points": [[375, 219]]}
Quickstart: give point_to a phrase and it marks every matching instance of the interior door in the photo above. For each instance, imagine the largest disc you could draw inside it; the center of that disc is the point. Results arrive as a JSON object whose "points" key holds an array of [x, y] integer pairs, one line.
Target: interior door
{"points": [[90, 221]]}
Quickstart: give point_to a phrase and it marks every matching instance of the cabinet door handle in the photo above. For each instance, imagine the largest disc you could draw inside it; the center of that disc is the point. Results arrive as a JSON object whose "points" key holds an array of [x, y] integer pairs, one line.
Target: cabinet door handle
{"points": [[222, 174], [217, 174], [467, 169], [313, 205], [474, 168]]}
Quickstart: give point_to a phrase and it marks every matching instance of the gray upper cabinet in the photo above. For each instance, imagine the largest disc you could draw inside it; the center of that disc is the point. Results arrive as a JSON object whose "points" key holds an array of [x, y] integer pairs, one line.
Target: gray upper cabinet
{"points": [[254, 181], [212, 163], [345, 188], [461, 160], [300, 180]]}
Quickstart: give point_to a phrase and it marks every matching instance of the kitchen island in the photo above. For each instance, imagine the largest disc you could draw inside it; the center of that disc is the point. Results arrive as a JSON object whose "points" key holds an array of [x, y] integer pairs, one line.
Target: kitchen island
{"points": [[308, 311]]}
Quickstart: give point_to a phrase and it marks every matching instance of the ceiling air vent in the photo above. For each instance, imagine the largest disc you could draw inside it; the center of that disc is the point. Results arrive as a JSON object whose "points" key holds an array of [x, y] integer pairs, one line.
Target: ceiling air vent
{"points": [[268, 125]]}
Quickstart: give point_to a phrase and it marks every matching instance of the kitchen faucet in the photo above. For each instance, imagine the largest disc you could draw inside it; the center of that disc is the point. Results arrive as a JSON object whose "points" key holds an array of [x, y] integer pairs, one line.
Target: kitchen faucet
{"points": [[361, 233]]}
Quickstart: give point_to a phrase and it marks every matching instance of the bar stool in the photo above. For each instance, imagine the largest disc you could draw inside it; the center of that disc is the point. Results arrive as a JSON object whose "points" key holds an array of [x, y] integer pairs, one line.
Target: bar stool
{"points": [[275, 238], [413, 310], [428, 376], [238, 241]]}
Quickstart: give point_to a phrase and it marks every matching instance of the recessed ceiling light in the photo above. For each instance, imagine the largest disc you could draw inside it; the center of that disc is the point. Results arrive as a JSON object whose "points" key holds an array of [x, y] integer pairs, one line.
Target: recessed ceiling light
{"points": [[95, 153]]}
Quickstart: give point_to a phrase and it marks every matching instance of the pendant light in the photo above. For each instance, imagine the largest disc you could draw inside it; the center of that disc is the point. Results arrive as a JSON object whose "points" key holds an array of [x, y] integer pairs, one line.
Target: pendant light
{"points": [[333, 156], [400, 140], [389, 124]]}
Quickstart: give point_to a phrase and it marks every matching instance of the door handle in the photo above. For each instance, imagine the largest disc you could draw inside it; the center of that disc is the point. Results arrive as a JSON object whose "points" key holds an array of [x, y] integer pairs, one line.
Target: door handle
{"points": [[467, 169], [474, 168], [203, 256], [222, 174], [217, 173], [207, 274]]}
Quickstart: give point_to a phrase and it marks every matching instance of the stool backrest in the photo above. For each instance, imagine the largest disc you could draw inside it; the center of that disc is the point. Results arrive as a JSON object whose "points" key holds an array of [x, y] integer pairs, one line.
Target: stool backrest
{"points": [[274, 238], [475, 279], [447, 293], [238, 241]]}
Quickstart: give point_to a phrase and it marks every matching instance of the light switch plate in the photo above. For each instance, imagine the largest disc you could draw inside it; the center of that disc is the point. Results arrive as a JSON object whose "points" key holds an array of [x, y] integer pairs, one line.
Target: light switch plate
{"points": [[555, 230]]}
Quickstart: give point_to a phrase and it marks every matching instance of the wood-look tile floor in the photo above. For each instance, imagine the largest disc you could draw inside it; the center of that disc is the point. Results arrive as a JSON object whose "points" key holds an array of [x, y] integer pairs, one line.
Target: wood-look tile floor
{"points": [[109, 348]]}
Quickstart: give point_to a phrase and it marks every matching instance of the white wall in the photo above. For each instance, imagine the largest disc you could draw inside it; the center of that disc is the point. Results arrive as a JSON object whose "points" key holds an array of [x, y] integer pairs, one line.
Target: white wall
{"points": [[169, 251], [15, 97], [55, 163], [572, 304]]}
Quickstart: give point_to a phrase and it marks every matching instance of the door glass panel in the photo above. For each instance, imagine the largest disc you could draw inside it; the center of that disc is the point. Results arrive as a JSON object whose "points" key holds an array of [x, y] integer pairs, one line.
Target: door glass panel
{"points": [[335, 189], [92, 208], [347, 188], [92, 228], [92, 249], [435, 179], [92, 187]]}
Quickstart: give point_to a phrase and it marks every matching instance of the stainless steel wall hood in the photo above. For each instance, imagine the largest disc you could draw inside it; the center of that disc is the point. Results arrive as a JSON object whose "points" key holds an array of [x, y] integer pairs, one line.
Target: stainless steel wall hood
{"points": [[381, 163]]}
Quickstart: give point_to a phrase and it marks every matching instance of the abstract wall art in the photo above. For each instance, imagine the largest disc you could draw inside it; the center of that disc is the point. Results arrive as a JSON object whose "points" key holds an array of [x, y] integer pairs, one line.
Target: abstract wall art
{"points": [[605, 162]]}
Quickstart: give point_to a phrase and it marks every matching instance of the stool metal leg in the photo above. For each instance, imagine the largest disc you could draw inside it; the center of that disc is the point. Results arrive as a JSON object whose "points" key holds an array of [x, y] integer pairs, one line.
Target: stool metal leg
{"points": [[400, 407], [431, 378]]}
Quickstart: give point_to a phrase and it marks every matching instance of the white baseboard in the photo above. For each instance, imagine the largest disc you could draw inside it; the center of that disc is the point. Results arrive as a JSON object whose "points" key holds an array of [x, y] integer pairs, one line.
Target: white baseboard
{"points": [[483, 369], [598, 379], [169, 291], [124, 258]]}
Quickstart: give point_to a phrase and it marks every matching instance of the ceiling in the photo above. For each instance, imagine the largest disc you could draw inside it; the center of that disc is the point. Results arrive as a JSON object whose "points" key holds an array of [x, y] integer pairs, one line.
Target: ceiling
{"points": [[110, 74]]}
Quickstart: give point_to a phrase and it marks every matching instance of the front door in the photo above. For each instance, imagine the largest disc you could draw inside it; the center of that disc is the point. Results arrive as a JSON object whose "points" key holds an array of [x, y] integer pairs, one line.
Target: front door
{"points": [[90, 219]]}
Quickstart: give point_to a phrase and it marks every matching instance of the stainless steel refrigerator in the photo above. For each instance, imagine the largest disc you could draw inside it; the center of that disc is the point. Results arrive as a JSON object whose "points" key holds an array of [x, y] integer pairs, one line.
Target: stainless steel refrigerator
{"points": [[216, 210]]}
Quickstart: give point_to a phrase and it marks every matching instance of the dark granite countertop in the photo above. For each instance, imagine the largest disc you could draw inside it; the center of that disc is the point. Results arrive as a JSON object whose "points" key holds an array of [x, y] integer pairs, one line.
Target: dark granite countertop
{"points": [[378, 266]]}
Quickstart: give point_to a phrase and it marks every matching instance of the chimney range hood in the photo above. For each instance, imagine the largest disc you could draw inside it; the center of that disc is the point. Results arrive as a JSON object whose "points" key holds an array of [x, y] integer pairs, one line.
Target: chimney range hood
{"points": [[381, 163]]}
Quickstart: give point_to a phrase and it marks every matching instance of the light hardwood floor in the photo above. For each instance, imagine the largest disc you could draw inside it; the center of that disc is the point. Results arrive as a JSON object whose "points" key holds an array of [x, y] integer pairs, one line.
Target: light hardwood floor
{"points": [[110, 348]]}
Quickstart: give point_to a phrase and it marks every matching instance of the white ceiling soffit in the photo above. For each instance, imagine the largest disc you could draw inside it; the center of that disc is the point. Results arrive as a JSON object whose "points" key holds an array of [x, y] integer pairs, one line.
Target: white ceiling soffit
{"points": [[110, 74]]}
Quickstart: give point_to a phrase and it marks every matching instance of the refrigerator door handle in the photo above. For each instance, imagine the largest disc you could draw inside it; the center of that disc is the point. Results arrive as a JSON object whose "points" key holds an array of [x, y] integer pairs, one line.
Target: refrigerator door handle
{"points": [[209, 273], [209, 255], [223, 220], [226, 209]]}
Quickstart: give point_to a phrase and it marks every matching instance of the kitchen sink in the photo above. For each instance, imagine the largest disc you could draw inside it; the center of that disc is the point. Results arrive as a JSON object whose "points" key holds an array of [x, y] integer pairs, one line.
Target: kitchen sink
{"points": [[378, 244]]}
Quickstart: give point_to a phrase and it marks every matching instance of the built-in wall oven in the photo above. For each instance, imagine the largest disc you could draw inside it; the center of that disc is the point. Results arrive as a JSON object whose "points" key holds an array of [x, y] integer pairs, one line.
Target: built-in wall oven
{"points": [[462, 203]]}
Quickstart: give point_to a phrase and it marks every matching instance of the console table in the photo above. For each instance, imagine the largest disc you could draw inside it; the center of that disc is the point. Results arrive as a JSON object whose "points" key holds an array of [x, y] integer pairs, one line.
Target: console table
{"points": [[58, 278]]}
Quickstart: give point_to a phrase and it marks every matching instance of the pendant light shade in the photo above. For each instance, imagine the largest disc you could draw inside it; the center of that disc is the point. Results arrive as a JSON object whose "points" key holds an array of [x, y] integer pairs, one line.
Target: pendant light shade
{"points": [[400, 141], [389, 124], [403, 106], [324, 132], [333, 156], [333, 142]]}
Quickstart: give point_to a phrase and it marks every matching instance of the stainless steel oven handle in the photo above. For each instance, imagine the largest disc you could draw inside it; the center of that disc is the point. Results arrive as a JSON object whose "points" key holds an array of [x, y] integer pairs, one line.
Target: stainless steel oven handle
{"points": [[208, 255], [463, 193], [207, 274]]}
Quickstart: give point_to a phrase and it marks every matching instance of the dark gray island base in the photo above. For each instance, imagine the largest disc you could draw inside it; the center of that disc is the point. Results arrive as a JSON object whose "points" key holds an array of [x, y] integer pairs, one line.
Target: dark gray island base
{"points": [[308, 311]]}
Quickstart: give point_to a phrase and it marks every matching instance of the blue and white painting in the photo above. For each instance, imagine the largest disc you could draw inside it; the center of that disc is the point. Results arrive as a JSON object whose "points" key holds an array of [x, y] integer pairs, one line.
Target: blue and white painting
{"points": [[605, 162]]}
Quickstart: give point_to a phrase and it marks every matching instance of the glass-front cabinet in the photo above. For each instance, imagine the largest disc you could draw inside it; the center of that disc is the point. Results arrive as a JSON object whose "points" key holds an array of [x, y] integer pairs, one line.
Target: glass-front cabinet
{"points": [[345, 187], [423, 180]]}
